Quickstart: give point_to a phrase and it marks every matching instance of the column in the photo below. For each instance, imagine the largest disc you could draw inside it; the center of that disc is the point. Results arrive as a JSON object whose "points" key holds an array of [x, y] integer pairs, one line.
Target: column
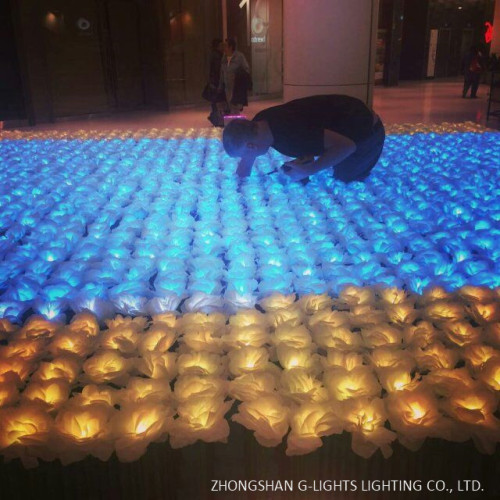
{"points": [[329, 47], [495, 42]]}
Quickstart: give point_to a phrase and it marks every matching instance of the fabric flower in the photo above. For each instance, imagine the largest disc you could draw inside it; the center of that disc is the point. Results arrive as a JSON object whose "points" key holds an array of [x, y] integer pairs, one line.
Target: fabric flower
{"points": [[356, 383], [107, 366], [252, 386], [309, 423], [267, 417], [157, 365], [200, 363], [191, 386]]}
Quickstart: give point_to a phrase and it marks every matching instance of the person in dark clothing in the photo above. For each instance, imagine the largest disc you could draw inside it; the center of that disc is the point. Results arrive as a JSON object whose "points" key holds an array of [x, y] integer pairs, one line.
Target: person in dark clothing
{"points": [[213, 80], [340, 131], [472, 68]]}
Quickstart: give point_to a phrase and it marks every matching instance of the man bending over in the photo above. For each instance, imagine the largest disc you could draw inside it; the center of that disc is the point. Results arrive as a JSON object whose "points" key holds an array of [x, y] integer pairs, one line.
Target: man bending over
{"points": [[319, 132]]}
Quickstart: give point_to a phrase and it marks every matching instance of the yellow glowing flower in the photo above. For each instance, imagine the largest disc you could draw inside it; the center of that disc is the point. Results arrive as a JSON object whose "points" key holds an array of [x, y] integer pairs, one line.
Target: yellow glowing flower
{"points": [[357, 383], [158, 365], [85, 323], [292, 316], [490, 374], [298, 336], [311, 304], [414, 415], [137, 324], [472, 406], [135, 426], [251, 335], [64, 367], [200, 418], [190, 386], [445, 381], [355, 296], [347, 360], [421, 335], [149, 390], [461, 332], [385, 357], [435, 294], [435, 357], [122, 338], [396, 379], [334, 337], [24, 425], [16, 366], [291, 358], [158, 338], [68, 342], [95, 394], [402, 314], [334, 319], [476, 294], [107, 366], [444, 310], [50, 393], [84, 430], [277, 301], [252, 386], [200, 363], [393, 295], [164, 320], [9, 393], [201, 338], [248, 317], [493, 334], [216, 322], [365, 419], [485, 313], [302, 387], [38, 327], [25, 349], [267, 417], [381, 335], [477, 355], [248, 359], [309, 423]]}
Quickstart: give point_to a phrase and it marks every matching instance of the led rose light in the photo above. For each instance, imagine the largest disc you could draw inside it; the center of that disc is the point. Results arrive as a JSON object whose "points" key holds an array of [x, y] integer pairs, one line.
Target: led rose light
{"points": [[200, 418], [248, 359], [301, 387], [365, 419], [67, 342], [356, 383], [63, 367], [253, 386], [309, 423], [347, 360], [200, 363], [267, 417], [158, 365], [107, 366], [297, 337], [50, 393], [158, 338], [138, 425]]}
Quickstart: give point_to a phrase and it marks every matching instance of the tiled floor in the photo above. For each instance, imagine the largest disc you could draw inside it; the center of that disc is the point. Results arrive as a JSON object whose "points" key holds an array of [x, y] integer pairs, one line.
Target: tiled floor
{"points": [[411, 102]]}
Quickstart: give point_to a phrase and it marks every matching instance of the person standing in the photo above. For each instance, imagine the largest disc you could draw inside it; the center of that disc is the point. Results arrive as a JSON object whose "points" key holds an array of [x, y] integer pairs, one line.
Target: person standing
{"points": [[211, 91], [472, 67], [234, 78]]}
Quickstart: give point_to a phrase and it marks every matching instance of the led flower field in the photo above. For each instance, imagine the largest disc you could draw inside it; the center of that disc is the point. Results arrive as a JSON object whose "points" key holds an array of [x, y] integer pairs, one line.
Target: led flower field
{"points": [[136, 225], [298, 312]]}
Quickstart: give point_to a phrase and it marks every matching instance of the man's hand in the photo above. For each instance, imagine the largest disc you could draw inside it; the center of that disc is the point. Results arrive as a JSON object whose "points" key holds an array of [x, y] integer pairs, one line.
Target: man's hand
{"points": [[299, 169]]}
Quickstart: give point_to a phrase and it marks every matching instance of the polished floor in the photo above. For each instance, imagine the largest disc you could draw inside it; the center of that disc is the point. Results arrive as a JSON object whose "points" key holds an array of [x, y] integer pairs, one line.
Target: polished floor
{"points": [[428, 102]]}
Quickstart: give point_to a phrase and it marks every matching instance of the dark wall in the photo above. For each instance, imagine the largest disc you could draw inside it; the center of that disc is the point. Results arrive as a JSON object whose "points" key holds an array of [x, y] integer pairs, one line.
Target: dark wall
{"points": [[91, 56], [11, 93]]}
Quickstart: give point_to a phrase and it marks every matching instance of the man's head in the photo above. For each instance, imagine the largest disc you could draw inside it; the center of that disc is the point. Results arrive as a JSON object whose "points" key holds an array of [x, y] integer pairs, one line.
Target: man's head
{"points": [[241, 138], [230, 46], [217, 44]]}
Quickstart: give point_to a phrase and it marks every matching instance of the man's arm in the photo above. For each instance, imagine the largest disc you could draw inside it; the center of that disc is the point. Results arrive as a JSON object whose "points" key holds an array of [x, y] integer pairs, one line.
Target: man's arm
{"points": [[337, 148], [245, 167]]}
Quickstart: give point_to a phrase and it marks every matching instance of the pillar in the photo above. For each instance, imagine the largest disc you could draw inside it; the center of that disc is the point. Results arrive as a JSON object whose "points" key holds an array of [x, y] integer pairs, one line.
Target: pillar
{"points": [[495, 42], [329, 47]]}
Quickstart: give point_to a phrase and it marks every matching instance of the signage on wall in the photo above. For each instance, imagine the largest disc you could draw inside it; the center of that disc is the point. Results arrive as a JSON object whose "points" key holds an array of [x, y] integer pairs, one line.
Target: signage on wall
{"points": [[488, 34]]}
